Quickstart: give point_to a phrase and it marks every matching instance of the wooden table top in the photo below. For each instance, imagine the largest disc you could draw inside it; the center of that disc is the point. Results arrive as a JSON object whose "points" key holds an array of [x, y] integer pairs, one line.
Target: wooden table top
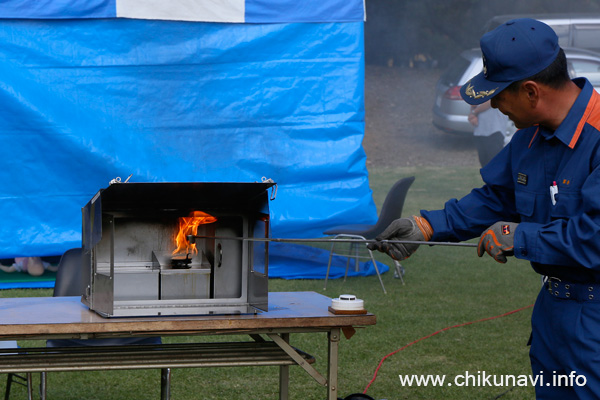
{"points": [[53, 317]]}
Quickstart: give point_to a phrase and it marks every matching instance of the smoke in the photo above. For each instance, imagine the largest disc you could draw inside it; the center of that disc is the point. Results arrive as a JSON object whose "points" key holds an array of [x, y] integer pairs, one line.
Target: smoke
{"points": [[398, 30], [408, 44]]}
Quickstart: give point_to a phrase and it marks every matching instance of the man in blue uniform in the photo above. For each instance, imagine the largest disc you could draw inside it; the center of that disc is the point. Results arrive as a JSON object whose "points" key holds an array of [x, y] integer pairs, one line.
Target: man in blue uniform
{"points": [[540, 201]]}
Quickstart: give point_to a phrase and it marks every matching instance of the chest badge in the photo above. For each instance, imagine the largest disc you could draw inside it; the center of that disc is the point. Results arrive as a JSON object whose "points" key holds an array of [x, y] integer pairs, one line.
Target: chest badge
{"points": [[521, 179]]}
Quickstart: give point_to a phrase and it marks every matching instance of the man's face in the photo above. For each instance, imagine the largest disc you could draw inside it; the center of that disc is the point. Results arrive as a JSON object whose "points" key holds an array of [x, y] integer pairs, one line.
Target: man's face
{"points": [[514, 104]]}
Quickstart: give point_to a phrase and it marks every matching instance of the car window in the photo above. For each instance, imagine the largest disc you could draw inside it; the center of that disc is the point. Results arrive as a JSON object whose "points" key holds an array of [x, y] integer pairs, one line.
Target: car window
{"points": [[454, 72], [562, 31], [586, 36], [570, 34], [586, 68]]}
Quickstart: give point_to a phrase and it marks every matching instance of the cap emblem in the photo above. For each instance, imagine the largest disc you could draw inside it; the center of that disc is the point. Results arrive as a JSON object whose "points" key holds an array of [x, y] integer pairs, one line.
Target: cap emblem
{"points": [[478, 95], [485, 67]]}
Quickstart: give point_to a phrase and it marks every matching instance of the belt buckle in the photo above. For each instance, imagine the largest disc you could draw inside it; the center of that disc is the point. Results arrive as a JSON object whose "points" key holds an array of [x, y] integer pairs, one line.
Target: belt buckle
{"points": [[552, 281]]}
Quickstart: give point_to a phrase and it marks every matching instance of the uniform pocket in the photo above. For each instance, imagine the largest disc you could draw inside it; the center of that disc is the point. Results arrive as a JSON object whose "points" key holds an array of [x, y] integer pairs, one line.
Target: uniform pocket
{"points": [[566, 204], [525, 204]]}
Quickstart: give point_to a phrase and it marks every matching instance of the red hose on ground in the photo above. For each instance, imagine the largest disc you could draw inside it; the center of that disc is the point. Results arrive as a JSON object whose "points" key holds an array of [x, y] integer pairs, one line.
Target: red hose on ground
{"points": [[435, 333]]}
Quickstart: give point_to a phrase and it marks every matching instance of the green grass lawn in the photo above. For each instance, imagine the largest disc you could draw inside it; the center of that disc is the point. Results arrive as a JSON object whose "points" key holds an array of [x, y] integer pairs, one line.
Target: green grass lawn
{"points": [[445, 286]]}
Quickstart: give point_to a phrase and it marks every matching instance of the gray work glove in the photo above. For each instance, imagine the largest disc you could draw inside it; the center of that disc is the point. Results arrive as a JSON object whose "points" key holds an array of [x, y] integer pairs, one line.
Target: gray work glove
{"points": [[413, 229], [498, 241]]}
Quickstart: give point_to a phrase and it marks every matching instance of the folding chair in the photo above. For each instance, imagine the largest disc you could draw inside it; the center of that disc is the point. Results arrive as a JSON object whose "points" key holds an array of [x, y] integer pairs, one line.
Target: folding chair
{"points": [[391, 210], [16, 378]]}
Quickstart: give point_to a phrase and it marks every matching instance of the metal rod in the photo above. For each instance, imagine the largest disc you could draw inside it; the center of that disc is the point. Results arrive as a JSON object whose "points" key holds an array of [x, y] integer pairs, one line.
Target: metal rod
{"points": [[192, 238]]}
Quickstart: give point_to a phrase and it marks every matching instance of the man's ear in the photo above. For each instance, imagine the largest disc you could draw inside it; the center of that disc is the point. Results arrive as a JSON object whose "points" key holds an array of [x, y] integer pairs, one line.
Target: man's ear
{"points": [[532, 92]]}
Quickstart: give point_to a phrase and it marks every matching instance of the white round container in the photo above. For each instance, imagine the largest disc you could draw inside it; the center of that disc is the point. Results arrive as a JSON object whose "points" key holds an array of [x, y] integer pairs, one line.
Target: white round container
{"points": [[347, 302]]}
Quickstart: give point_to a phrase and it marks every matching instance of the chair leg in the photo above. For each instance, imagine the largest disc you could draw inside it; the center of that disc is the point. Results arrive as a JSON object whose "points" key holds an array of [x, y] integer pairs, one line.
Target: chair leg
{"points": [[9, 380], [356, 257], [348, 260], [328, 265], [165, 384], [24, 381], [377, 270], [399, 271]]}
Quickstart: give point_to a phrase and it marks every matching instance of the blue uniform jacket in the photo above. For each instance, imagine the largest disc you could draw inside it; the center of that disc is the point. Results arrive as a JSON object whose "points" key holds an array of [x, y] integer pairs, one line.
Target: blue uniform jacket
{"points": [[560, 240]]}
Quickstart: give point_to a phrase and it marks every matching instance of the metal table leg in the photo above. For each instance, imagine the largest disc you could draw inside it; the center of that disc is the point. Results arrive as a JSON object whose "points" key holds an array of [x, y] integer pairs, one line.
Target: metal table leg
{"points": [[332, 365], [43, 385], [165, 384], [29, 386], [284, 374]]}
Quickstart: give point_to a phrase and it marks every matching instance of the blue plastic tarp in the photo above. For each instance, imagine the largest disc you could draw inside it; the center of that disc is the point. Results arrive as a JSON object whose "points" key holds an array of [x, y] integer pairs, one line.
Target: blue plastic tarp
{"points": [[235, 11], [86, 100], [27, 285]]}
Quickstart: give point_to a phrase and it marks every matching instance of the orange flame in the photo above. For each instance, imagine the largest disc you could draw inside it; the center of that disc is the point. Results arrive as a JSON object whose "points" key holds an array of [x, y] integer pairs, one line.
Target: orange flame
{"points": [[189, 226]]}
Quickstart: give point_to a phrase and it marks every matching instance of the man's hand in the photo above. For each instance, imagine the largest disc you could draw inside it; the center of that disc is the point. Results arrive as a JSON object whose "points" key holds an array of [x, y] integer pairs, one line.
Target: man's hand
{"points": [[498, 241], [414, 229], [473, 119]]}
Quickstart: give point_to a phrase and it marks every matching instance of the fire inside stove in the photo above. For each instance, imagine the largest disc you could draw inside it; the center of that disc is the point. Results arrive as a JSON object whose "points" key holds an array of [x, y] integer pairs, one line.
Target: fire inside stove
{"points": [[141, 261], [182, 255]]}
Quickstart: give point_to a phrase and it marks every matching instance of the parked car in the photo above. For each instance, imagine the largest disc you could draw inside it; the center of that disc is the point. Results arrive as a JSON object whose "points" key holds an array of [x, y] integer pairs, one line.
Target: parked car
{"points": [[573, 29], [450, 111]]}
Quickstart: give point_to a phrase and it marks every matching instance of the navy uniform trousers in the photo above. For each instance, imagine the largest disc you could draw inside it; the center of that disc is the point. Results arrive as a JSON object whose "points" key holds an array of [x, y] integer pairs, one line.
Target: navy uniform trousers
{"points": [[565, 343]]}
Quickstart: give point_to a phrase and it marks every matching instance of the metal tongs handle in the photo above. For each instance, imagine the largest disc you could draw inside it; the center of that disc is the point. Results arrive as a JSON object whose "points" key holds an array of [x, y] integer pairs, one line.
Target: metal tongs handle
{"points": [[192, 239]]}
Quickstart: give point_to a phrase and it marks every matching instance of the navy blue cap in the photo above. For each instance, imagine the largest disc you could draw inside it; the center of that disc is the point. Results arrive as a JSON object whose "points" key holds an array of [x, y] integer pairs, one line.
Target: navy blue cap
{"points": [[517, 49]]}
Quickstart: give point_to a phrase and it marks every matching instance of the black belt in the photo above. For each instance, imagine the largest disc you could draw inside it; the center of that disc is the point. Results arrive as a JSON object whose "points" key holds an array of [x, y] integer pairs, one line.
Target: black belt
{"points": [[572, 291]]}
